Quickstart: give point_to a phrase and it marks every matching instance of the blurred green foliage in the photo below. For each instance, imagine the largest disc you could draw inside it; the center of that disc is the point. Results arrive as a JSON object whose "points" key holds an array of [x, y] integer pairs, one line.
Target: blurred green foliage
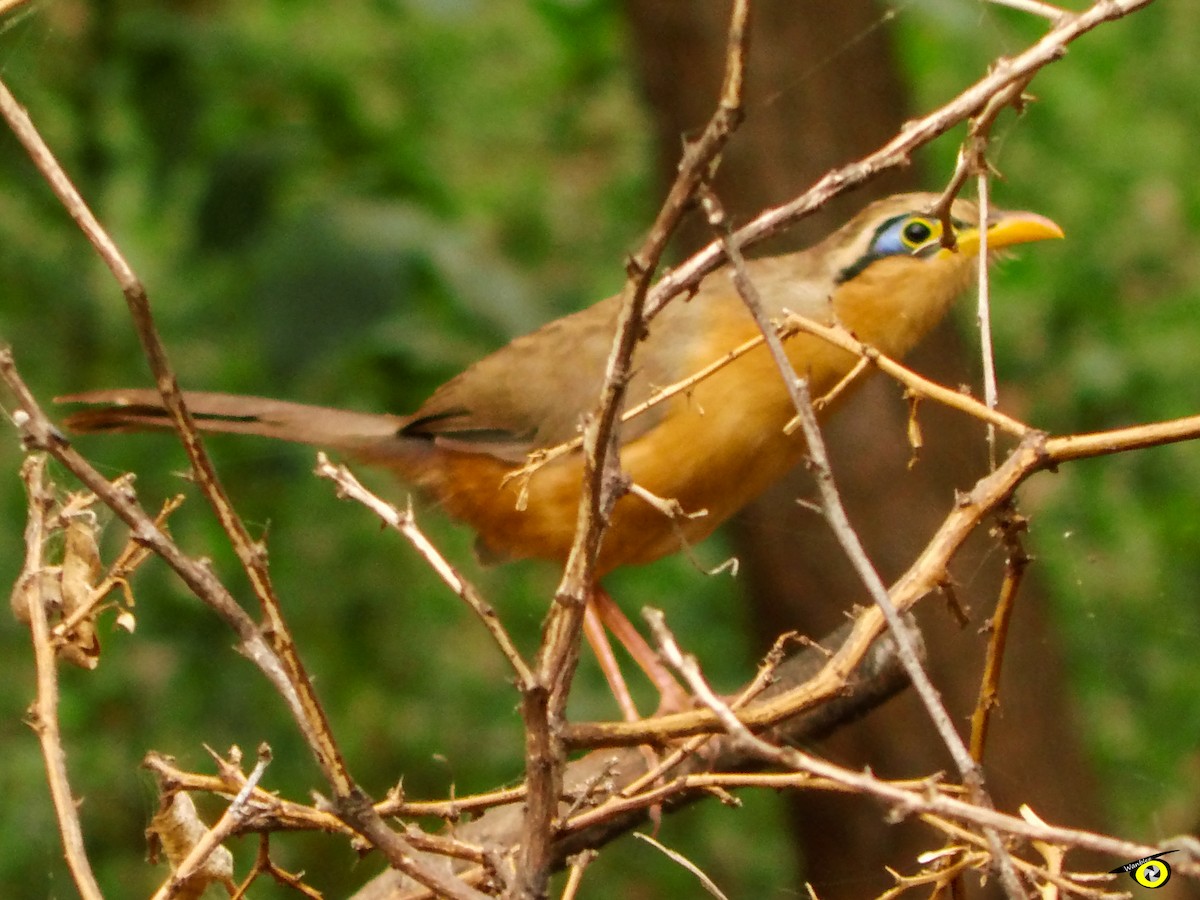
{"points": [[349, 203]]}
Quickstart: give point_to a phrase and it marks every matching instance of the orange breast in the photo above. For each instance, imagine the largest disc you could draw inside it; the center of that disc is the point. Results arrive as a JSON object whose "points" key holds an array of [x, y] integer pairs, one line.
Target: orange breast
{"points": [[718, 448]]}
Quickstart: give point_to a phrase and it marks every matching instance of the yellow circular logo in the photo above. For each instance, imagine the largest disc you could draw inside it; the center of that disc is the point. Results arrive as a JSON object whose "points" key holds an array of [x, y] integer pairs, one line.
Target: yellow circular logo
{"points": [[1153, 873]]}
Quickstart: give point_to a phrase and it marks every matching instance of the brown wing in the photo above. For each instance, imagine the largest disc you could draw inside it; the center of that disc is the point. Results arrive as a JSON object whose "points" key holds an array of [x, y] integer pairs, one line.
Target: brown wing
{"points": [[534, 392]]}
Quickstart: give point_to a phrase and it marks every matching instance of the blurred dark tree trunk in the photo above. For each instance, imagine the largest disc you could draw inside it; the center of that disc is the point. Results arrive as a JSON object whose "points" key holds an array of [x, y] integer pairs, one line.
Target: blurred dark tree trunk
{"points": [[824, 88]]}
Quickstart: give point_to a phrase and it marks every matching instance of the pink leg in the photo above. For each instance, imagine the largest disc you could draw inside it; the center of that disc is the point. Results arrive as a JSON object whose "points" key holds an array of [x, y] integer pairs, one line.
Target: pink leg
{"points": [[674, 697], [593, 629]]}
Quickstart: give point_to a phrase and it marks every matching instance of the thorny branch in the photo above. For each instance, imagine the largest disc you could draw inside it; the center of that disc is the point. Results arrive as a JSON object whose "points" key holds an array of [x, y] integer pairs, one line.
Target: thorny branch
{"points": [[542, 706], [38, 433], [405, 523], [44, 714], [839, 521], [1010, 524], [271, 646], [311, 716], [1035, 453]]}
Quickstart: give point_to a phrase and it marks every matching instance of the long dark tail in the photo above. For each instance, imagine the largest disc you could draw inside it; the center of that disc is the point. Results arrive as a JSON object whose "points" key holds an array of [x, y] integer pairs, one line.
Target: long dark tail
{"points": [[142, 409]]}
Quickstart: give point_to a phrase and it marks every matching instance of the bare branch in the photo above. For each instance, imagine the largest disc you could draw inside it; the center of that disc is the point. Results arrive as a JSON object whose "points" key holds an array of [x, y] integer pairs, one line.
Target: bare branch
{"points": [[543, 706], [251, 555], [1036, 7], [1035, 453], [405, 523], [1015, 563], [915, 383], [44, 713]]}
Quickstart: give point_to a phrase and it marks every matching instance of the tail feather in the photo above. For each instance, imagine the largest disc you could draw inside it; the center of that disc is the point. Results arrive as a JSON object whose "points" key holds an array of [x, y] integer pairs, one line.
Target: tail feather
{"points": [[142, 409]]}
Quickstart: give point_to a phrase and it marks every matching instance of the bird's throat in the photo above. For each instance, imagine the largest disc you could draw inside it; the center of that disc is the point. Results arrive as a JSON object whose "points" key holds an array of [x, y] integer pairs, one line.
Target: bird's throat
{"points": [[894, 303]]}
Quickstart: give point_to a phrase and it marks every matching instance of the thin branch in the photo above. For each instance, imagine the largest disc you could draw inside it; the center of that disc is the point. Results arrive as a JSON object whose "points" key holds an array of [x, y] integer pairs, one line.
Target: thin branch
{"points": [[231, 820], [686, 665], [405, 523], [705, 881], [972, 158], [1035, 453], [543, 706], [1036, 7], [912, 381], [835, 512], [1015, 563], [251, 555], [278, 814], [991, 397], [44, 713]]}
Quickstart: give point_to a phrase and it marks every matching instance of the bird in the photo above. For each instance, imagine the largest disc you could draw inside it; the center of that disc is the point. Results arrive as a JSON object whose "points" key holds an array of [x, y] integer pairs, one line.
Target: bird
{"points": [[887, 276]]}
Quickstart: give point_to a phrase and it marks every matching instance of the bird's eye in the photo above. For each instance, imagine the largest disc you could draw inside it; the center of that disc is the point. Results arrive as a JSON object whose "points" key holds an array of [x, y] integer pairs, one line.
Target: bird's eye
{"points": [[917, 232]]}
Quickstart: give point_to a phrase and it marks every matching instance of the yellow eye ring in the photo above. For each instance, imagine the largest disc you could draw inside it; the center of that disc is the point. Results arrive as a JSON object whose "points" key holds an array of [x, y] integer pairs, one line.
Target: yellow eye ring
{"points": [[919, 231]]}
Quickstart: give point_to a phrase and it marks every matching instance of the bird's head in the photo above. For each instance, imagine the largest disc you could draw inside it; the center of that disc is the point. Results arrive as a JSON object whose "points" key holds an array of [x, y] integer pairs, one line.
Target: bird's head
{"points": [[893, 275]]}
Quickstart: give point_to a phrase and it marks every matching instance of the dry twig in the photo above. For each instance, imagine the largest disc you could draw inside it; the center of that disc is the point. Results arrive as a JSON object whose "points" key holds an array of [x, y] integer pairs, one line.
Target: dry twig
{"points": [[43, 716], [405, 523], [542, 707]]}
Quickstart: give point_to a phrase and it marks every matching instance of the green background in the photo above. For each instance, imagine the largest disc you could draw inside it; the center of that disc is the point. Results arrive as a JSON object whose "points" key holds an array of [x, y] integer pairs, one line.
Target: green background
{"points": [[348, 203]]}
